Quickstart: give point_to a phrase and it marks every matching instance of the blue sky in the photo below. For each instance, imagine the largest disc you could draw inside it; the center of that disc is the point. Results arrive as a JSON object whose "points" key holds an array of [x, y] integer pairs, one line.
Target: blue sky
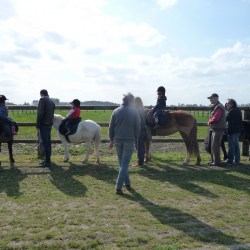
{"points": [[99, 50]]}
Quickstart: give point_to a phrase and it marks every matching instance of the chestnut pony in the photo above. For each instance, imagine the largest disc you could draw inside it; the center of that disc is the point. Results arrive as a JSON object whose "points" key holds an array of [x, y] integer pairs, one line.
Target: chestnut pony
{"points": [[177, 121]]}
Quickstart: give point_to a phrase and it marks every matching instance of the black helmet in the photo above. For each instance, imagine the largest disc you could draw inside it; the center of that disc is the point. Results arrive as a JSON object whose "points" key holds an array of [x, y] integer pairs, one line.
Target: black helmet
{"points": [[161, 89], [76, 103], [3, 98]]}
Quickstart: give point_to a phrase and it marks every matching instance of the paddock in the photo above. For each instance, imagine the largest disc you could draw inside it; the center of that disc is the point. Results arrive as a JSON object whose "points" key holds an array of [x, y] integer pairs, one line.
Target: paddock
{"points": [[200, 111]]}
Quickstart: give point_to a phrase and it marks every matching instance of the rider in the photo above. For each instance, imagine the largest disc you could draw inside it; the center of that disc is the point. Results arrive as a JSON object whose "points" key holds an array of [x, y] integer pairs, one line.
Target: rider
{"points": [[73, 114], [4, 114], [160, 105]]}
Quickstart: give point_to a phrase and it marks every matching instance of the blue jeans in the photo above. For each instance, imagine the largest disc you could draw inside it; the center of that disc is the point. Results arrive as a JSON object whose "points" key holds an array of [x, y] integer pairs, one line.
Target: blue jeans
{"points": [[140, 146], [45, 133], [124, 152], [233, 147]]}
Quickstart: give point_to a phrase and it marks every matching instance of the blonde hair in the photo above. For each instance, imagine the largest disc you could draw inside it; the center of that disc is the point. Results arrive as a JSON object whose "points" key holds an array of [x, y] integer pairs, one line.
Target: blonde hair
{"points": [[138, 102]]}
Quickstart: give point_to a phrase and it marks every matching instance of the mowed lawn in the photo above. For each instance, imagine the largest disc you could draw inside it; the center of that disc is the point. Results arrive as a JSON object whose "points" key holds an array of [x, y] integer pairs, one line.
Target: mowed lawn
{"points": [[74, 205]]}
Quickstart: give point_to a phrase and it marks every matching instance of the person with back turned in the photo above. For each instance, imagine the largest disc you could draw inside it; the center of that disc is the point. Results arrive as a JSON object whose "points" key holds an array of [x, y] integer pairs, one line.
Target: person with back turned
{"points": [[44, 122], [124, 130]]}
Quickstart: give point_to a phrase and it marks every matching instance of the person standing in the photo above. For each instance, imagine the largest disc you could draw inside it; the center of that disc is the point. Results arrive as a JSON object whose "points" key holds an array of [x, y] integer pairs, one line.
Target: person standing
{"points": [[140, 146], [234, 126], [217, 122], [124, 130], [45, 115]]}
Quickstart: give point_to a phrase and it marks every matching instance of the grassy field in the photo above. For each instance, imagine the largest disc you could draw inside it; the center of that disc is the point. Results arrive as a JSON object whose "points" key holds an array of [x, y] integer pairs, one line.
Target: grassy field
{"points": [[74, 206], [98, 116]]}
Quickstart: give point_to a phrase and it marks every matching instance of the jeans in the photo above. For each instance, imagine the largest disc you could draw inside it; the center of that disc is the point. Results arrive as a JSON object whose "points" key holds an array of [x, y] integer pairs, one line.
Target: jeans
{"points": [[140, 146], [45, 133], [124, 151], [233, 147], [215, 144]]}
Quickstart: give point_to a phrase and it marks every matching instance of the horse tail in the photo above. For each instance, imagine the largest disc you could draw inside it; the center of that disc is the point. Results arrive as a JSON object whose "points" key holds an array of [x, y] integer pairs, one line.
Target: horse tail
{"points": [[193, 141]]}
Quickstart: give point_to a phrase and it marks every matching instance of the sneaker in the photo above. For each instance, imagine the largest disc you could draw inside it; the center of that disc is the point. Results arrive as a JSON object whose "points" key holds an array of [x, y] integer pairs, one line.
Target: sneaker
{"points": [[46, 165], [228, 162], [136, 165], [219, 164], [119, 191], [156, 126], [128, 187]]}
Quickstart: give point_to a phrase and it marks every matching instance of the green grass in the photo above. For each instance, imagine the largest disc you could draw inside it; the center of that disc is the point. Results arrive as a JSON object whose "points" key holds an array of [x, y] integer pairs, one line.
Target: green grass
{"points": [[74, 206], [97, 116]]}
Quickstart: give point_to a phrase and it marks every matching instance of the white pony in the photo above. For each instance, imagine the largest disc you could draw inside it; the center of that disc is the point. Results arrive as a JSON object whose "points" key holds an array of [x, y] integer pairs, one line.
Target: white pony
{"points": [[88, 131]]}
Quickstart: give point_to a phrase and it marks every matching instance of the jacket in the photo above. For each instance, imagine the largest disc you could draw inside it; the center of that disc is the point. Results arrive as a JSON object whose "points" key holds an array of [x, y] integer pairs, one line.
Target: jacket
{"points": [[45, 112], [161, 104], [218, 118], [234, 121], [124, 124]]}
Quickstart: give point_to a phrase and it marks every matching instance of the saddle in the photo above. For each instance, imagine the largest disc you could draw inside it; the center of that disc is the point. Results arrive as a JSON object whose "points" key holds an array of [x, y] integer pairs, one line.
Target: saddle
{"points": [[69, 126], [5, 130], [162, 118]]}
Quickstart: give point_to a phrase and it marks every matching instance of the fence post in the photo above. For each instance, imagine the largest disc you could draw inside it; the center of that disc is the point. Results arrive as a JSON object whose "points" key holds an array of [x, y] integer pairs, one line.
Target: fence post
{"points": [[40, 147], [245, 143]]}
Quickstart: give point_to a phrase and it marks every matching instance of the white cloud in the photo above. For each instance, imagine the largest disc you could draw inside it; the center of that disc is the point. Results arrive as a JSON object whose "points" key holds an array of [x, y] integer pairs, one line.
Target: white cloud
{"points": [[75, 50], [166, 3]]}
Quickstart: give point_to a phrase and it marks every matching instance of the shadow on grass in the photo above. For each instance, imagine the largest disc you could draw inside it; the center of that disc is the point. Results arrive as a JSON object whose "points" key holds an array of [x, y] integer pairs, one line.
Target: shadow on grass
{"points": [[184, 177], [184, 222], [9, 181], [64, 180]]}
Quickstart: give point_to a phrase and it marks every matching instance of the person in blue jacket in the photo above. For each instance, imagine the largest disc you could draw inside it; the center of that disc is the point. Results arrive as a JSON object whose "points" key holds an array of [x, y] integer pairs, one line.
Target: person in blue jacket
{"points": [[4, 114]]}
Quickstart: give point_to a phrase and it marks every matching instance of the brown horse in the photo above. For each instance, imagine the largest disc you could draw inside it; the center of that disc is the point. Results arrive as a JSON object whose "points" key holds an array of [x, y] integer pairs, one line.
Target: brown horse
{"points": [[178, 121]]}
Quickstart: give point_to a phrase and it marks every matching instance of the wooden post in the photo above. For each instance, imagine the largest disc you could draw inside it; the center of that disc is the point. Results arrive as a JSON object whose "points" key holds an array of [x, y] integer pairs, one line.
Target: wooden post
{"points": [[245, 143], [40, 147]]}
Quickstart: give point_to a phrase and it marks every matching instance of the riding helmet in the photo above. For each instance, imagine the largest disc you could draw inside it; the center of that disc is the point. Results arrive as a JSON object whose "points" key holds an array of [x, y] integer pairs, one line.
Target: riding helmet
{"points": [[76, 103], [161, 89], [3, 98]]}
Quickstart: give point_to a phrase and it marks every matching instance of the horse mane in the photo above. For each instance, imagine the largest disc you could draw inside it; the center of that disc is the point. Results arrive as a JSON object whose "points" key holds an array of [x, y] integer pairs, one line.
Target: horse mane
{"points": [[59, 116]]}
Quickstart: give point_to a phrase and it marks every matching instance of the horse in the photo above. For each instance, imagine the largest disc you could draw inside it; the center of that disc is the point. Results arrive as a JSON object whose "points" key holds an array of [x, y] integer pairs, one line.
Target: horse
{"points": [[177, 121], [6, 136], [87, 131]]}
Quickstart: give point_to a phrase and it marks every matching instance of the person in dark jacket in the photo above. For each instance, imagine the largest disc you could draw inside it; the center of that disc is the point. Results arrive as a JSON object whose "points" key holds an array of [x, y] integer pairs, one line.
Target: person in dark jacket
{"points": [[234, 127], [160, 105], [4, 114], [45, 115]]}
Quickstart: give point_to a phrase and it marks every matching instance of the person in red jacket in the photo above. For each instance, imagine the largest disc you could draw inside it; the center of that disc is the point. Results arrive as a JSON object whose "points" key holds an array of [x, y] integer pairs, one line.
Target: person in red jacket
{"points": [[73, 114]]}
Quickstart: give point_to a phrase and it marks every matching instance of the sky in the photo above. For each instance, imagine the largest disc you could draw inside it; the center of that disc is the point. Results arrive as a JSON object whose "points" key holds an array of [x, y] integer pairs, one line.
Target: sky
{"points": [[101, 49]]}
